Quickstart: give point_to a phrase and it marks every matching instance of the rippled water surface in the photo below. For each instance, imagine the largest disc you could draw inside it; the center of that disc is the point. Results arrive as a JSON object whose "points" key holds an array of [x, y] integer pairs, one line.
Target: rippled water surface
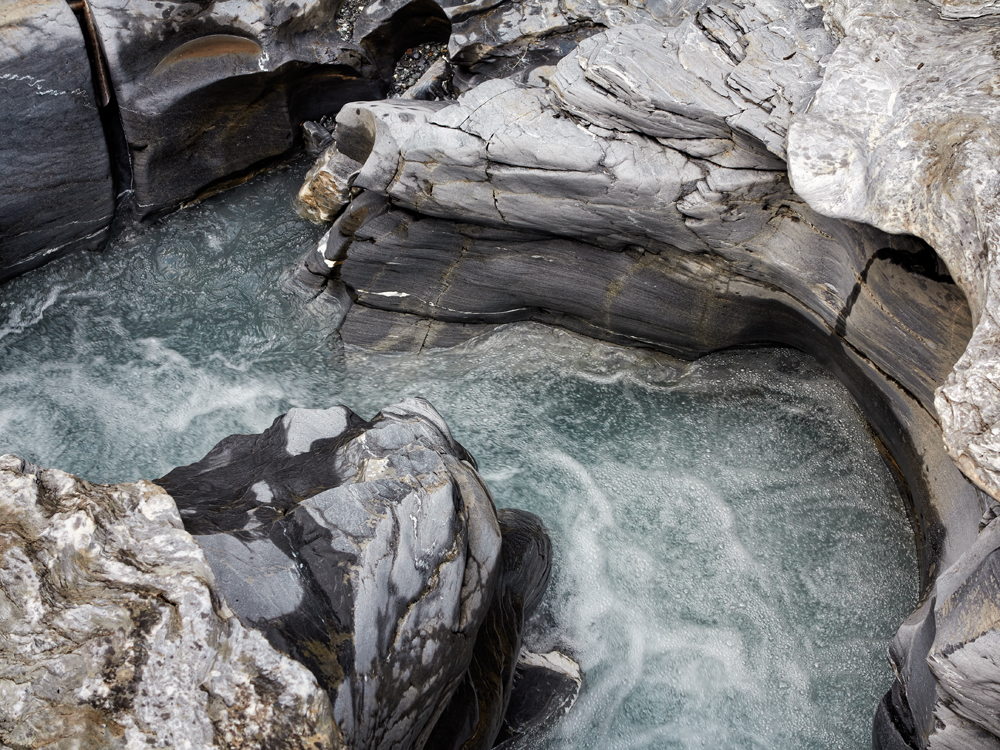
{"points": [[732, 556]]}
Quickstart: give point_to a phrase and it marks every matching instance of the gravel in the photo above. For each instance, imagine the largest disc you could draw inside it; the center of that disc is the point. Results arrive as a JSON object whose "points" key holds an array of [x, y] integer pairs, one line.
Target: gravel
{"points": [[414, 62], [346, 16]]}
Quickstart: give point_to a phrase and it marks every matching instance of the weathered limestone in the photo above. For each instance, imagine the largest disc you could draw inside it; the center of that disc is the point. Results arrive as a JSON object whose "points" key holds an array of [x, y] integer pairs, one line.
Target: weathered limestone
{"points": [[209, 90], [112, 634], [327, 187], [56, 194]]}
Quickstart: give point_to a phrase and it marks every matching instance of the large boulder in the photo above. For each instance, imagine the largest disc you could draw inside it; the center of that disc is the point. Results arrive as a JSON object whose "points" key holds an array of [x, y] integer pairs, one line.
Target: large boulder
{"points": [[112, 633], [56, 191], [372, 553]]}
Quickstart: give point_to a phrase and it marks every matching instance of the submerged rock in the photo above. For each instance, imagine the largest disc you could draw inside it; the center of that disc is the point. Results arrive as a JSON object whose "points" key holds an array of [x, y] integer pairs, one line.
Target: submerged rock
{"points": [[56, 192], [372, 553], [113, 635]]}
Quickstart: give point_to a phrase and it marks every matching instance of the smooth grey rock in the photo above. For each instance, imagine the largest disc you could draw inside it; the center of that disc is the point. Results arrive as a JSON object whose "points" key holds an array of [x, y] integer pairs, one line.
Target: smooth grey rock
{"points": [[113, 635], [207, 91], [56, 192], [368, 551]]}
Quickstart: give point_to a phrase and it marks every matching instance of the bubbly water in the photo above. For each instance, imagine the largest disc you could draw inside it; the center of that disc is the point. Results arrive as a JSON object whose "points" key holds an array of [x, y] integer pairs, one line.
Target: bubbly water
{"points": [[732, 555]]}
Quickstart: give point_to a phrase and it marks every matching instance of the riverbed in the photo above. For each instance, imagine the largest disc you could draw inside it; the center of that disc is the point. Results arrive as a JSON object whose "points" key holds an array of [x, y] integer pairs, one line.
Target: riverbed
{"points": [[732, 555]]}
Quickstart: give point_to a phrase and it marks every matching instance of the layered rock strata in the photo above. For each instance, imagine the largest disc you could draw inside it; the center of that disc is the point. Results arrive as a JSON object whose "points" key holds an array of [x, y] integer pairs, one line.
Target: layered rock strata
{"points": [[637, 191], [56, 191]]}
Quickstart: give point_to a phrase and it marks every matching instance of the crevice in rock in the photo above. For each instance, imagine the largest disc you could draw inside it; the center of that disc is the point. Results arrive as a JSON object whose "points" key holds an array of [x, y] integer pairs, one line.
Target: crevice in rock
{"points": [[108, 110], [912, 255], [387, 39]]}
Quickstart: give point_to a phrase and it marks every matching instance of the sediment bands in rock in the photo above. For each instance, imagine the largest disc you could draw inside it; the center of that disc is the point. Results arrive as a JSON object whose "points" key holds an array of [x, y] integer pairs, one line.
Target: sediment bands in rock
{"points": [[636, 189]]}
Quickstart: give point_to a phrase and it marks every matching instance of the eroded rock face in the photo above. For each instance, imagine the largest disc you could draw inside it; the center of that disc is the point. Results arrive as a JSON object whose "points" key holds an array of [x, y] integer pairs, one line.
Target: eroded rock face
{"points": [[902, 136], [210, 89], [636, 190], [55, 185], [113, 636], [372, 553]]}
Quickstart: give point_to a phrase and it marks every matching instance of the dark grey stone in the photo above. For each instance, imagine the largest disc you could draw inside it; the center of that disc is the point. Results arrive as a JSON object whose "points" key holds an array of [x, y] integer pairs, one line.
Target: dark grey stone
{"points": [[56, 193], [371, 552], [315, 138], [209, 91]]}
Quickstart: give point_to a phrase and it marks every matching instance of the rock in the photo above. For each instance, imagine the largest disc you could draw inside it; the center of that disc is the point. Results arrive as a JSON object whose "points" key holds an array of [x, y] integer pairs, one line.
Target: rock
{"points": [[56, 192], [327, 186], [545, 688], [636, 190], [434, 83], [210, 90], [919, 161], [315, 137], [962, 657], [371, 552], [902, 136], [475, 715], [388, 29], [112, 633]]}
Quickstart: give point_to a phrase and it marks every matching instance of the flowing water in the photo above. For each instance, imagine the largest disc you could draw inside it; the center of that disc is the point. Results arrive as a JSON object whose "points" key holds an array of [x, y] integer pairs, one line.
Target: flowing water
{"points": [[732, 555]]}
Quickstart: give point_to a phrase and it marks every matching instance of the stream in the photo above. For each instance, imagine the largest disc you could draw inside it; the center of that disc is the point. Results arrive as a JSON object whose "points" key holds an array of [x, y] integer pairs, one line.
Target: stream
{"points": [[732, 555]]}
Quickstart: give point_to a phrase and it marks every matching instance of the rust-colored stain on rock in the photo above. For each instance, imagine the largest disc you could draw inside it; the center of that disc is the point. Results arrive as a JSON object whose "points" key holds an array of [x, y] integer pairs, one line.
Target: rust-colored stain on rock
{"points": [[215, 45]]}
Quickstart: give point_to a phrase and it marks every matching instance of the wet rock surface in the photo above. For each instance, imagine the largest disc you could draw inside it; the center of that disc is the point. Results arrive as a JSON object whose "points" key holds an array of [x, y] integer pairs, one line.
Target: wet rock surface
{"points": [[371, 552], [621, 172], [56, 192], [208, 91], [113, 635]]}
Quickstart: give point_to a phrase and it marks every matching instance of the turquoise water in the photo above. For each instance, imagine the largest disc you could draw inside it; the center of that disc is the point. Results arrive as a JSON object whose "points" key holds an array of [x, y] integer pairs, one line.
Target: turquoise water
{"points": [[732, 555]]}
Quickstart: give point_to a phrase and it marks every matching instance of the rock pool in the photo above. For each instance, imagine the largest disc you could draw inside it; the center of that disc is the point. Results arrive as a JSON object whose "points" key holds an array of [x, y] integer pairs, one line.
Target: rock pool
{"points": [[732, 554]]}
